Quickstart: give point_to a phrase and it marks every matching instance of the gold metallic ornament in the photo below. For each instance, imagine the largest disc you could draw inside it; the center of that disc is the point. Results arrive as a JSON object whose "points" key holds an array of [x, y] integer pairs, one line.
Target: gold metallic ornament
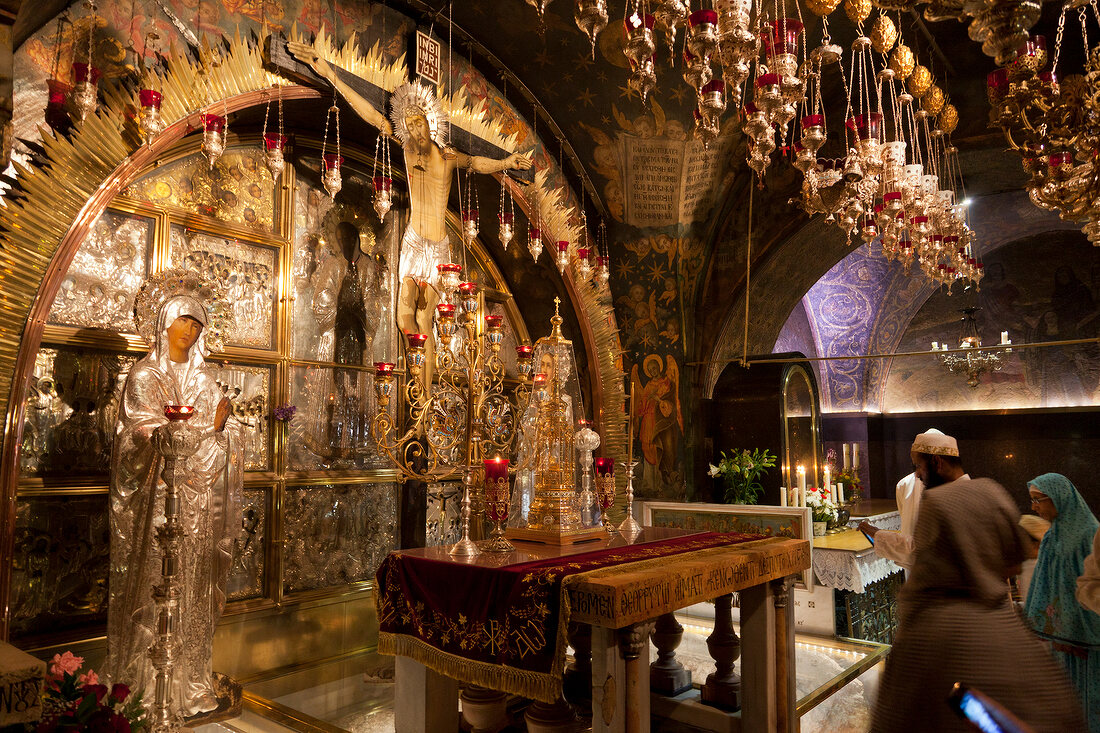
{"points": [[902, 61], [857, 10], [949, 118], [822, 7], [933, 100], [894, 4], [920, 81], [884, 34]]}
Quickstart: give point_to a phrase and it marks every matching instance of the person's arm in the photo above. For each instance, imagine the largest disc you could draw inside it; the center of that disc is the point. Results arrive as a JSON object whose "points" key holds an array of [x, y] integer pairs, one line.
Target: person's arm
{"points": [[308, 55], [1088, 585], [895, 546], [479, 164]]}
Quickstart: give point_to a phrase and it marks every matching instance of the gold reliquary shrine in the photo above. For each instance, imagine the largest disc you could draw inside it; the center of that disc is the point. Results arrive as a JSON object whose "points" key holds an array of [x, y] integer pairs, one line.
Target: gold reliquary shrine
{"points": [[547, 463]]}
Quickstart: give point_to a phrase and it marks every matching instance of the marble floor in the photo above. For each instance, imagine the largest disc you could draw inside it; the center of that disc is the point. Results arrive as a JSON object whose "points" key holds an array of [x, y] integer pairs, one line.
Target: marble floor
{"points": [[338, 699]]}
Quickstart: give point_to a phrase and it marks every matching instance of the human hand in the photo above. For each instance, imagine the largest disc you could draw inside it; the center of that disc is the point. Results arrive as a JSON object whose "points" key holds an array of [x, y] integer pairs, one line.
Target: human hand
{"points": [[519, 161], [308, 55], [221, 414]]}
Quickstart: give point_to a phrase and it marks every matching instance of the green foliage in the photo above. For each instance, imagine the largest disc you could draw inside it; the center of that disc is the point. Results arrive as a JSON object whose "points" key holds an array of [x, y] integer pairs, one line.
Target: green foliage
{"points": [[741, 472]]}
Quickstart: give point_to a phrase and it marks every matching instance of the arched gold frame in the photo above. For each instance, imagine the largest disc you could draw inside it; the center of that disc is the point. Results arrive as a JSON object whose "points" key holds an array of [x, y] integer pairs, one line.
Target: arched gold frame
{"points": [[62, 198]]}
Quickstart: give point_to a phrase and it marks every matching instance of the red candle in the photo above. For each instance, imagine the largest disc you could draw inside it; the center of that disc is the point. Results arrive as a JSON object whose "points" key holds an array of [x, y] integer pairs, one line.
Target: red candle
{"points": [[494, 321], [445, 310], [605, 467], [496, 469], [212, 122], [383, 368], [540, 380], [525, 351], [416, 340], [467, 288], [563, 246]]}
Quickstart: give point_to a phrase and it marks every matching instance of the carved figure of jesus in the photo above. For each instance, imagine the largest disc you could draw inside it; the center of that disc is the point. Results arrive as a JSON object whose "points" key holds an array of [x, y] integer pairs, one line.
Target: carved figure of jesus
{"points": [[429, 167]]}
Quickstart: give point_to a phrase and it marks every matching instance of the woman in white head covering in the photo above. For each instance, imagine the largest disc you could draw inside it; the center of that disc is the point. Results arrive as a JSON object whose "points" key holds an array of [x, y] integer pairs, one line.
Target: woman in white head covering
{"points": [[172, 373]]}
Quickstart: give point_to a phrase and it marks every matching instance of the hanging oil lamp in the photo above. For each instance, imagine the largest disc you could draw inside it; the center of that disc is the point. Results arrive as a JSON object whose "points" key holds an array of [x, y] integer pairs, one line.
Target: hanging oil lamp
{"points": [[591, 17], [57, 91], [534, 241], [584, 267], [563, 256], [470, 213], [275, 142], [85, 94], [331, 163], [149, 119], [382, 182], [213, 136], [507, 215]]}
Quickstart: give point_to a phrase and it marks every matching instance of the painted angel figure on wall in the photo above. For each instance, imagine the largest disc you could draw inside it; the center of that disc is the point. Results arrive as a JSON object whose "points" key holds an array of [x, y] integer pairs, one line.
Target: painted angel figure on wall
{"points": [[419, 123], [180, 317], [660, 422]]}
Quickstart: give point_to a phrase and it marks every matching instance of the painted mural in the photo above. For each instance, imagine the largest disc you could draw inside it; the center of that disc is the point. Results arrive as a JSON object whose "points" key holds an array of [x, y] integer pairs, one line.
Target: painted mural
{"points": [[658, 276], [1057, 302]]}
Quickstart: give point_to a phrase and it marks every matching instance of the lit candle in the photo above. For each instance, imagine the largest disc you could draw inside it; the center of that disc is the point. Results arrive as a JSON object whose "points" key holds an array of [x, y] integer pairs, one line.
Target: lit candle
{"points": [[494, 321], [605, 467], [855, 456], [802, 480], [383, 368], [524, 351], [782, 496], [416, 340], [935, 346], [1004, 338], [828, 481], [630, 432], [496, 469], [847, 460]]}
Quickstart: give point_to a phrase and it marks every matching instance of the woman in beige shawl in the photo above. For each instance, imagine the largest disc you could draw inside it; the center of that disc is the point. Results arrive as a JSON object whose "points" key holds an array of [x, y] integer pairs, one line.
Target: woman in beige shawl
{"points": [[956, 623]]}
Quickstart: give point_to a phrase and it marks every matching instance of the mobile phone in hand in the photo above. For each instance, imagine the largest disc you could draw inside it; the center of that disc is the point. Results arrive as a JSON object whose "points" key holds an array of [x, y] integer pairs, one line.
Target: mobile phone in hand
{"points": [[870, 537], [983, 713]]}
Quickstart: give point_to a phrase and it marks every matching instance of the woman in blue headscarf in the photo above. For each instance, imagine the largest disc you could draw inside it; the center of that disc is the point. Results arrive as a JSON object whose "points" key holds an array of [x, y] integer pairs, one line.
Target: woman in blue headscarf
{"points": [[1052, 610]]}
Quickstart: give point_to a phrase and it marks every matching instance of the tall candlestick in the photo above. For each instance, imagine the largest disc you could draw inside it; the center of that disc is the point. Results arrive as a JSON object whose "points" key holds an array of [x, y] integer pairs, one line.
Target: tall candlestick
{"points": [[629, 429]]}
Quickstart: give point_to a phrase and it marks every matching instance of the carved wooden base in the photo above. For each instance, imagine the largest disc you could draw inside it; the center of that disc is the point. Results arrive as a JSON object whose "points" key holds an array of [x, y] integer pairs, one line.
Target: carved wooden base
{"points": [[666, 675], [576, 683], [723, 686], [556, 718], [485, 710]]}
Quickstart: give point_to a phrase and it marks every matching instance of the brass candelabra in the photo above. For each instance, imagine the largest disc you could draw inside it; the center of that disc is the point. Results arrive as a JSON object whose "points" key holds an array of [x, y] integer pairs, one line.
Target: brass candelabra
{"points": [[466, 414]]}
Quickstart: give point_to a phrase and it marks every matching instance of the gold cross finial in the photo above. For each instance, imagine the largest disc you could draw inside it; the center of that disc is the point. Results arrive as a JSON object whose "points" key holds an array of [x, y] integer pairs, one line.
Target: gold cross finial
{"points": [[557, 302]]}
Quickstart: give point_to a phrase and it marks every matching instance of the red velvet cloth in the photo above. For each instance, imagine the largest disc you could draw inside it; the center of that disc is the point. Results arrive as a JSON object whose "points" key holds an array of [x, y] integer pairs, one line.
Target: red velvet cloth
{"points": [[506, 616]]}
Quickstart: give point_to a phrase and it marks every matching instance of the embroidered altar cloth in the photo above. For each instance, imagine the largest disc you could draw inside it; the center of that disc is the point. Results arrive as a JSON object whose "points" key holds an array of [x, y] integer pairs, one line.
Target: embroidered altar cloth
{"points": [[500, 620]]}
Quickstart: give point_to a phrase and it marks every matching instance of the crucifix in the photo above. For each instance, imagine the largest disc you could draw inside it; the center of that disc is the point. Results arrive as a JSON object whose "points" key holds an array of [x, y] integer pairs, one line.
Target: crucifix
{"points": [[419, 124]]}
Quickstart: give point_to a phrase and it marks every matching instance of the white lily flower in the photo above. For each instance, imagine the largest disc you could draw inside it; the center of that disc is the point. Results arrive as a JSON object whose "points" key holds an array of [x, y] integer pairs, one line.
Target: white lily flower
{"points": [[713, 471]]}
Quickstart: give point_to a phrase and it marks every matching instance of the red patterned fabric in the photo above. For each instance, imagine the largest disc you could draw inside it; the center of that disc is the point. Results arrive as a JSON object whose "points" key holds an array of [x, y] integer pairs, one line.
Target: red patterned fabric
{"points": [[499, 626]]}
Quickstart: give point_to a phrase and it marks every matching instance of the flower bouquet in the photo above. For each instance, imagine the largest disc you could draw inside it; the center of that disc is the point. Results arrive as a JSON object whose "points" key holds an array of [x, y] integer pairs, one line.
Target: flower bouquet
{"points": [[741, 472], [822, 509], [75, 701]]}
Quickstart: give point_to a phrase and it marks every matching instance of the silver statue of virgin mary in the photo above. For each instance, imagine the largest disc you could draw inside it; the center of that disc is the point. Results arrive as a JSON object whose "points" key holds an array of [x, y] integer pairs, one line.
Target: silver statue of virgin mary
{"points": [[181, 318]]}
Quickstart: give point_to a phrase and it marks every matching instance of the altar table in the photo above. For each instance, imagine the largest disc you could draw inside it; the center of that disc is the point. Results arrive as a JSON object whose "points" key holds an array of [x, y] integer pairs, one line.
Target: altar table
{"points": [[499, 621]]}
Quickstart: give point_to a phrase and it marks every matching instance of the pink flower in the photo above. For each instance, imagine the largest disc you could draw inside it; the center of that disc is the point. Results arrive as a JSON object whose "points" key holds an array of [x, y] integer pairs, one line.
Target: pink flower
{"points": [[91, 678], [63, 664]]}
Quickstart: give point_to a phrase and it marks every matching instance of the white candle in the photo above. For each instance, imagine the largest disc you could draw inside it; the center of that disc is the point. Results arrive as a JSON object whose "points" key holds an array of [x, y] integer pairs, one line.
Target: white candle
{"points": [[1004, 338], [935, 346], [802, 479], [840, 493], [847, 462], [828, 477], [832, 493], [782, 496], [855, 456]]}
